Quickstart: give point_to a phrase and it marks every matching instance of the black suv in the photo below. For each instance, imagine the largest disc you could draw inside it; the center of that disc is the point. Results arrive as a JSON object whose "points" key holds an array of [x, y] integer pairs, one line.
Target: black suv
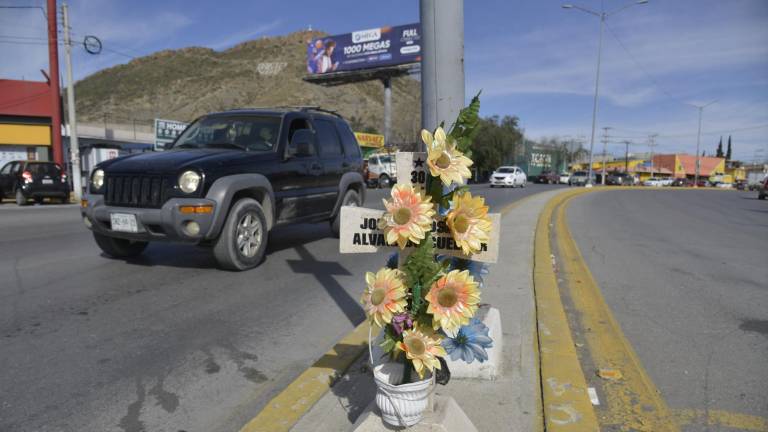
{"points": [[25, 180], [226, 181]]}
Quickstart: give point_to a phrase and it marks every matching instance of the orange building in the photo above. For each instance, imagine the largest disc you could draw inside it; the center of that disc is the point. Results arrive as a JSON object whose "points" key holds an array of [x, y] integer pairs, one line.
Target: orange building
{"points": [[25, 120], [684, 165]]}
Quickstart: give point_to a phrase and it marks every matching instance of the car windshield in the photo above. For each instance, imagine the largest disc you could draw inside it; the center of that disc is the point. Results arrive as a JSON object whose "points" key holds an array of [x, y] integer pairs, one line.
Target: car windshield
{"points": [[249, 133], [505, 170], [580, 173], [385, 159]]}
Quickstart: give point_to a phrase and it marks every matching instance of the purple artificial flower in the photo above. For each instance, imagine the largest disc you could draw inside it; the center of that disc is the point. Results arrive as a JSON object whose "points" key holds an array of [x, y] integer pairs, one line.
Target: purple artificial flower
{"points": [[401, 322]]}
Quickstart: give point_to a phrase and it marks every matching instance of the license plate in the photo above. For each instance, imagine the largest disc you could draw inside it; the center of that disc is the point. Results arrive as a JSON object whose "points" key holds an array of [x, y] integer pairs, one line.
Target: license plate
{"points": [[124, 222], [47, 181]]}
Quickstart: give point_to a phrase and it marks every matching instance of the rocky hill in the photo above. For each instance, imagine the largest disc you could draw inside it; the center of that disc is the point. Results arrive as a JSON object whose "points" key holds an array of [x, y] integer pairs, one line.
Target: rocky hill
{"points": [[183, 84]]}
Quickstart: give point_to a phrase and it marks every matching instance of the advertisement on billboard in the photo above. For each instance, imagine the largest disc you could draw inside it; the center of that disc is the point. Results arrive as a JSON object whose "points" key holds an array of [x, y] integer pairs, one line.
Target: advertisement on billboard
{"points": [[372, 48]]}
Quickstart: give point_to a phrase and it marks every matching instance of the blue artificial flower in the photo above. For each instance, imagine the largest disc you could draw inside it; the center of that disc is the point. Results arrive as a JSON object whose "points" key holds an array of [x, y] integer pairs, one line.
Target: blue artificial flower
{"points": [[478, 270], [470, 342], [392, 261]]}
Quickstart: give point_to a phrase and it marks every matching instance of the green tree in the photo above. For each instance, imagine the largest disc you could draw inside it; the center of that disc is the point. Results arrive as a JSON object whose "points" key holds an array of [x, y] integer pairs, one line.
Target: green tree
{"points": [[719, 152], [496, 142]]}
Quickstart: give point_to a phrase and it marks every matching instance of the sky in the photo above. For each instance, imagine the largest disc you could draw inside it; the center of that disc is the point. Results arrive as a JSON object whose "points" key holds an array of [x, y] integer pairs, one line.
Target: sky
{"points": [[531, 59]]}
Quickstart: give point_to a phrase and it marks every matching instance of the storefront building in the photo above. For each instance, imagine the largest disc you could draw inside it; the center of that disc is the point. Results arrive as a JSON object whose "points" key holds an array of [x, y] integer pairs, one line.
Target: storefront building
{"points": [[25, 121]]}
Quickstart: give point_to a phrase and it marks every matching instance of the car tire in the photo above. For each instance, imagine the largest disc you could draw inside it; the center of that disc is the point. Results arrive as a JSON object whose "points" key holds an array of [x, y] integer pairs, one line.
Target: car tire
{"points": [[384, 181], [351, 198], [243, 239], [38, 200], [21, 200], [491, 186], [119, 248], [761, 196], [522, 185]]}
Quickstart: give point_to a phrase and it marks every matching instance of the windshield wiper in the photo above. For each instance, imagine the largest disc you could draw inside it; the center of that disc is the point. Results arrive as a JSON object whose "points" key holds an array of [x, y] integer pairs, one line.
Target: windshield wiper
{"points": [[225, 144]]}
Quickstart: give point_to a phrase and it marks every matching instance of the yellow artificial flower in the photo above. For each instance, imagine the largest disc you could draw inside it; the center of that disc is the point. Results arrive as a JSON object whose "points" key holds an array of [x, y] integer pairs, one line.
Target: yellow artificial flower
{"points": [[453, 301], [444, 160], [408, 216], [422, 348], [384, 295], [469, 222]]}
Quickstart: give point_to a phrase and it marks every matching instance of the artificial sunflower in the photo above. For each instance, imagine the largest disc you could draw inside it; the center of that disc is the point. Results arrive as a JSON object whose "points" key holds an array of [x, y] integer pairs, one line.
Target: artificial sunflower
{"points": [[384, 296], [408, 216], [453, 301], [444, 160], [469, 222], [422, 348]]}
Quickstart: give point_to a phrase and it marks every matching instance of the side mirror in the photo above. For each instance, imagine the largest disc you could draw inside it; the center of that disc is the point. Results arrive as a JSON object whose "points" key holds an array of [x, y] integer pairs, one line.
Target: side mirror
{"points": [[301, 144]]}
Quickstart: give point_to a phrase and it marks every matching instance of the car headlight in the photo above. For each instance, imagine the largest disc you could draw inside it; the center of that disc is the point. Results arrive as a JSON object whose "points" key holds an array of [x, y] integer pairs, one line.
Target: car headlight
{"points": [[189, 181], [97, 179]]}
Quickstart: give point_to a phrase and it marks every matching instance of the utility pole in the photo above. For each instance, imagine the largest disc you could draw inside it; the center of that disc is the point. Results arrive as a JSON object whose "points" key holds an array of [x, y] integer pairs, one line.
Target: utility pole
{"points": [[387, 81], [605, 150], [698, 141], [652, 144], [53, 78], [74, 146], [442, 62], [626, 157]]}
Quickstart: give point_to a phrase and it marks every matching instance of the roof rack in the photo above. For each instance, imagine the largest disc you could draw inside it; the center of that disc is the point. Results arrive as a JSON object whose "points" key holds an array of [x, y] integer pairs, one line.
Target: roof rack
{"points": [[305, 108]]}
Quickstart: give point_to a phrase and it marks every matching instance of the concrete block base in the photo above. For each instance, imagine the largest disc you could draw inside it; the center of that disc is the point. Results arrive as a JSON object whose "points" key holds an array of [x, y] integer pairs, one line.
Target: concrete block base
{"points": [[491, 368], [446, 417]]}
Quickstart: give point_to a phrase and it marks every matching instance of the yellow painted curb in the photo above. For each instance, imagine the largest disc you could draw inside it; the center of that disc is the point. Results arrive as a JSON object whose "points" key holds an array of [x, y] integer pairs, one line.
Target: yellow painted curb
{"points": [[633, 401], [282, 412], [566, 403]]}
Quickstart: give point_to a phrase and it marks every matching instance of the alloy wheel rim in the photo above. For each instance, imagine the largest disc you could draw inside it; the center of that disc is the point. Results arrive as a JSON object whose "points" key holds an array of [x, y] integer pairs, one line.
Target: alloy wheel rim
{"points": [[249, 235]]}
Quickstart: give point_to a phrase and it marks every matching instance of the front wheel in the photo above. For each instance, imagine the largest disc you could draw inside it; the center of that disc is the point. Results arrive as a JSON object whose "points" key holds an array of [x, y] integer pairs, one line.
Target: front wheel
{"points": [[243, 240], [351, 199], [384, 181], [119, 248], [761, 196]]}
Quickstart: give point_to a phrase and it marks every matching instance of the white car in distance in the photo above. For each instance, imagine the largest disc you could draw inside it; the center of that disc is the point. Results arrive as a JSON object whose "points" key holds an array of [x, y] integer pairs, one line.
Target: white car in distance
{"points": [[508, 176], [653, 181]]}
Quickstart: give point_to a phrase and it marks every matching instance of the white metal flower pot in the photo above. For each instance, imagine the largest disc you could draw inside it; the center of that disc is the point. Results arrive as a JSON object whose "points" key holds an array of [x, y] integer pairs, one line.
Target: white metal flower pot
{"points": [[400, 404]]}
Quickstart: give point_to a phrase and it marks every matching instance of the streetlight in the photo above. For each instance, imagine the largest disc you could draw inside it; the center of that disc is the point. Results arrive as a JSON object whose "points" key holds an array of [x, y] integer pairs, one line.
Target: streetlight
{"points": [[698, 141], [602, 15]]}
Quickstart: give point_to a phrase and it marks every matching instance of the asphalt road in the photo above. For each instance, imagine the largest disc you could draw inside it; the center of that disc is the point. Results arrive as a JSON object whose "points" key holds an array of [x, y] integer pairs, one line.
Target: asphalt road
{"points": [[685, 274], [165, 342]]}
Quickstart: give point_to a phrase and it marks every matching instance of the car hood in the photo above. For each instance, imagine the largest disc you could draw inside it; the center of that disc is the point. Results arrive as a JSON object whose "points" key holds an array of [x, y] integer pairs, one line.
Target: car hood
{"points": [[171, 161]]}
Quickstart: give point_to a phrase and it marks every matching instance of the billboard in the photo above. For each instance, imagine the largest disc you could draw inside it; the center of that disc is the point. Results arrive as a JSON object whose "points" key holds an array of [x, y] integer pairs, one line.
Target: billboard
{"points": [[166, 132], [372, 48]]}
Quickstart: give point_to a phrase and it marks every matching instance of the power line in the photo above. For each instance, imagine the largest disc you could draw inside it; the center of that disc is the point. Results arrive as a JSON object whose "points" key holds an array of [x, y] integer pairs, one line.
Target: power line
{"points": [[641, 67]]}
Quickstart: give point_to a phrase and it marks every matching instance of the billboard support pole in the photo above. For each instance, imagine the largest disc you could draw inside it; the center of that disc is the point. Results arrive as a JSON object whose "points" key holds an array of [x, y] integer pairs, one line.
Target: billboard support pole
{"points": [[442, 62], [387, 110], [53, 74]]}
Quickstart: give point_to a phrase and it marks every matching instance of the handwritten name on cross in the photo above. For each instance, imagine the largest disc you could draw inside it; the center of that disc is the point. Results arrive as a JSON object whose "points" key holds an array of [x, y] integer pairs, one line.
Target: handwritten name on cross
{"points": [[360, 232]]}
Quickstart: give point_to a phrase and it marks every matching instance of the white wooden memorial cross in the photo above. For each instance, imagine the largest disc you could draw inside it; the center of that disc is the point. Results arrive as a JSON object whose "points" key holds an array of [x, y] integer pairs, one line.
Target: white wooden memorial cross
{"points": [[359, 226]]}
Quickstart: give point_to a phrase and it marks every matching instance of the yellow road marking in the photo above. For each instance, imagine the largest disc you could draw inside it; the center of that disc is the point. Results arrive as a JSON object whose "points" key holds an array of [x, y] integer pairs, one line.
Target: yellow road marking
{"points": [[632, 402], [566, 404], [721, 418], [282, 412]]}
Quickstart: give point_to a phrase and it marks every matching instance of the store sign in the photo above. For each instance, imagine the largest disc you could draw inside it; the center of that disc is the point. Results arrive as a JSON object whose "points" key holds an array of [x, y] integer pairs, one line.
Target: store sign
{"points": [[369, 140], [166, 131], [377, 47], [541, 159]]}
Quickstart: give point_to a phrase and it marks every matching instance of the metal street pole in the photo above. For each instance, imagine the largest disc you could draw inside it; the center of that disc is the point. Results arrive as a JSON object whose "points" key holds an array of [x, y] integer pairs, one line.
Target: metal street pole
{"points": [[602, 15], [442, 62], [387, 111], [698, 142], [74, 149], [53, 75], [605, 150]]}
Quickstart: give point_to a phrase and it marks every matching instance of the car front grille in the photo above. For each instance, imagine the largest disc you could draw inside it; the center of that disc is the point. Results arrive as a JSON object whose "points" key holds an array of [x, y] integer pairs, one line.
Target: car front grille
{"points": [[135, 191]]}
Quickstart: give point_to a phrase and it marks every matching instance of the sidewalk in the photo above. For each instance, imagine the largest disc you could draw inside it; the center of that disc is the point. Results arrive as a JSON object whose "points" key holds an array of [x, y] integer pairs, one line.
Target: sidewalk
{"points": [[510, 403]]}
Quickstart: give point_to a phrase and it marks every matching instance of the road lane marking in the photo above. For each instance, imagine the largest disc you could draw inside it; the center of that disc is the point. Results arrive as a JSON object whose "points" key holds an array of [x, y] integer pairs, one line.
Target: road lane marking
{"points": [[633, 401], [565, 399], [720, 418]]}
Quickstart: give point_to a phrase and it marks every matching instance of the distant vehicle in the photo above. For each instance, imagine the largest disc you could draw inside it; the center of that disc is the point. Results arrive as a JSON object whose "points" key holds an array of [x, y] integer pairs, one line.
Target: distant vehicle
{"points": [[382, 170], [762, 192], [579, 178], [741, 185], [508, 176], [25, 180], [681, 182], [704, 183], [619, 179], [226, 182], [654, 181], [564, 177], [723, 185], [547, 177]]}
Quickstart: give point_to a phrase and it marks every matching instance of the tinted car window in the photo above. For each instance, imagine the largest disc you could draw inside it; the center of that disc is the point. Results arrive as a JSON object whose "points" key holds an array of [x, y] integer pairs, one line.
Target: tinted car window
{"points": [[351, 147], [504, 170], [7, 168], [250, 133], [43, 169], [327, 138]]}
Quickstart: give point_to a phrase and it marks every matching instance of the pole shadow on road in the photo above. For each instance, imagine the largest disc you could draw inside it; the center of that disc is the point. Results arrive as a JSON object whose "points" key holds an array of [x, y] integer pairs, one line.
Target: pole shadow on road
{"points": [[324, 272]]}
